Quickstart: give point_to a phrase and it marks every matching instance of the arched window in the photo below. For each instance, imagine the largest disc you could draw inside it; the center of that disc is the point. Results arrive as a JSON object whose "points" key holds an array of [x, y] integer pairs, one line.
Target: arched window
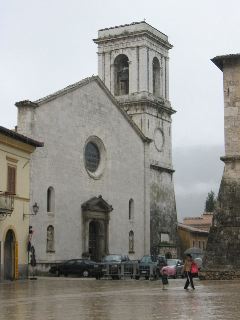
{"points": [[50, 239], [50, 200], [131, 241], [156, 77], [121, 75], [131, 209]]}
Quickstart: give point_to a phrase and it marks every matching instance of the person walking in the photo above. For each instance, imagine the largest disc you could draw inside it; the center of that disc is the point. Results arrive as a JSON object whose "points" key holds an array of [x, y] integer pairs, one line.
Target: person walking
{"points": [[187, 268], [164, 279]]}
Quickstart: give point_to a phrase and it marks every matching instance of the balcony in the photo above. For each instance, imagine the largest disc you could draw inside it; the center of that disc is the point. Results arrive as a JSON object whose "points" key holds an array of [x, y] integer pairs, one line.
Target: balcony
{"points": [[6, 204]]}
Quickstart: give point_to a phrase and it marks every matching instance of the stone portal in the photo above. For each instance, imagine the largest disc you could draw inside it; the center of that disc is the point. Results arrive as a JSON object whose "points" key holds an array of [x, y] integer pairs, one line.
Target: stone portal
{"points": [[96, 227], [222, 259]]}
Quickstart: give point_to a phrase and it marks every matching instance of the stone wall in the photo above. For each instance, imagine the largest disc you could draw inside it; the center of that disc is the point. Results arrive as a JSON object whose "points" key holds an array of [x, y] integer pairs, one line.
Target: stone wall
{"points": [[219, 274], [222, 258], [163, 209]]}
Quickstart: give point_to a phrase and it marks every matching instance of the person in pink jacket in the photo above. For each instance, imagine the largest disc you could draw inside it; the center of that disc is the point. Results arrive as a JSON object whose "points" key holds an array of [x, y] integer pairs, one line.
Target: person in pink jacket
{"points": [[187, 268]]}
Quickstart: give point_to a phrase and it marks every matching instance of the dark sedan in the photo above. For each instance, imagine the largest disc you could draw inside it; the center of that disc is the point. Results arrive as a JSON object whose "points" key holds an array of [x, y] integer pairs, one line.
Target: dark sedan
{"points": [[79, 267], [117, 266]]}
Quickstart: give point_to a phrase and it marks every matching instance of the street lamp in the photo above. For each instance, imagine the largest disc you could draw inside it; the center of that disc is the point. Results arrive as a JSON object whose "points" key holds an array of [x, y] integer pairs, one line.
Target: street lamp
{"points": [[35, 209]]}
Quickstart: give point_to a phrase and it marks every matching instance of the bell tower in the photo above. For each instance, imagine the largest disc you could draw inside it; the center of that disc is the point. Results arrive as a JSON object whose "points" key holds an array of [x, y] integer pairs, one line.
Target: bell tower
{"points": [[133, 63]]}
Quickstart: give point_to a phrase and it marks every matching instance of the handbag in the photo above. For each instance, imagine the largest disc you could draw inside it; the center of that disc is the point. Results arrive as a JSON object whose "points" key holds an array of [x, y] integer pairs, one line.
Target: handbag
{"points": [[194, 268]]}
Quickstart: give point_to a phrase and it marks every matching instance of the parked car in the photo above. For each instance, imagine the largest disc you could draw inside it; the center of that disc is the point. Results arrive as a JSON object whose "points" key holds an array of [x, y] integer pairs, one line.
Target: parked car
{"points": [[173, 268], [150, 266], [80, 267], [116, 265]]}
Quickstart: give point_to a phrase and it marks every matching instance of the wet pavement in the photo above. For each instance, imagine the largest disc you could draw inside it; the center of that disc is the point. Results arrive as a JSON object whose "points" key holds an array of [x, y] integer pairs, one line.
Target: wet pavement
{"points": [[88, 299]]}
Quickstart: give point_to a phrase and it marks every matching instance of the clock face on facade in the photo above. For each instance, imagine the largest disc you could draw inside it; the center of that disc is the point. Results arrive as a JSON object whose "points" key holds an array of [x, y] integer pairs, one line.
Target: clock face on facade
{"points": [[158, 139]]}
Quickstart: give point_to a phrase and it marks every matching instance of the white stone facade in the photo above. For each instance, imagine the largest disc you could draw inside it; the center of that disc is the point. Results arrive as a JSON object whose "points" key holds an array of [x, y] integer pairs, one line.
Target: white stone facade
{"points": [[65, 123], [133, 133]]}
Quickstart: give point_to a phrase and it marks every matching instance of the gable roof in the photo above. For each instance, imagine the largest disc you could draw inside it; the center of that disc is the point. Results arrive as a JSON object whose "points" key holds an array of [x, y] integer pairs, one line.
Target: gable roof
{"points": [[17, 136], [77, 85], [192, 229]]}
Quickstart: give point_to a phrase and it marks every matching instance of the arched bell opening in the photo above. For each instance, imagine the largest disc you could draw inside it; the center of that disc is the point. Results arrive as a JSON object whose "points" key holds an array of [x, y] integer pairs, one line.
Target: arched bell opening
{"points": [[156, 77], [121, 75]]}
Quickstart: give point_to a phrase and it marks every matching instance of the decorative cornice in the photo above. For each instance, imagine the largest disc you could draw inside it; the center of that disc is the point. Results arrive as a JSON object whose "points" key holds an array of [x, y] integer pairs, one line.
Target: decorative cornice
{"points": [[233, 158], [26, 103], [97, 204], [146, 99], [163, 169], [135, 34], [219, 60], [141, 28]]}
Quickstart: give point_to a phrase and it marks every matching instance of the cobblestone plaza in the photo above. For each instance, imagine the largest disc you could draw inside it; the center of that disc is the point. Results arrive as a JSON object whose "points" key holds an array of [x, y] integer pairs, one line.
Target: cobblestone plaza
{"points": [[74, 298]]}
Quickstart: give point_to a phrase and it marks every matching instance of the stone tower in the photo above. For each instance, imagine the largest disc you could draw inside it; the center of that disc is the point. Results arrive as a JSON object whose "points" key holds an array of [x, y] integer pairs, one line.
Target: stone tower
{"points": [[222, 258], [133, 64]]}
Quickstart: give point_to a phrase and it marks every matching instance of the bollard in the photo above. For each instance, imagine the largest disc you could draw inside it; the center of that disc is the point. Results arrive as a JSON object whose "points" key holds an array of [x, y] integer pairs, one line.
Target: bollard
{"points": [[122, 270], [134, 270], [151, 271]]}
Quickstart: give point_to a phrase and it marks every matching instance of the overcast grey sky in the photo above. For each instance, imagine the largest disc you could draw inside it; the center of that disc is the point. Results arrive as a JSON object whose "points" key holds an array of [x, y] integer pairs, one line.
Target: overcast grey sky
{"points": [[46, 45]]}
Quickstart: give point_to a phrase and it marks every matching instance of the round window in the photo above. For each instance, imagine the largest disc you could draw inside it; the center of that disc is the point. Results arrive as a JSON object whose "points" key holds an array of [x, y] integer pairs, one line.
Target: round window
{"points": [[92, 156]]}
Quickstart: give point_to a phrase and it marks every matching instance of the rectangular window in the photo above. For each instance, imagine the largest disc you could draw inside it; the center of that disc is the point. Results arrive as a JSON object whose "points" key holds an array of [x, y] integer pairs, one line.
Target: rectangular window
{"points": [[199, 244], [11, 181], [193, 243], [203, 245]]}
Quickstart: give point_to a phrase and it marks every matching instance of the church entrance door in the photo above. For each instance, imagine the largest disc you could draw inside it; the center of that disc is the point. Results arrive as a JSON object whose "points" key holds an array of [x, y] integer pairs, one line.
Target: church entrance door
{"points": [[95, 213], [93, 249], [9, 256]]}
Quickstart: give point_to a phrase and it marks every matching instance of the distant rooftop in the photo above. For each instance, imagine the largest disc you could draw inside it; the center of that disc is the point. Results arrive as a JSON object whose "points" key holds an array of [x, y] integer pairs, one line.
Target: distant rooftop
{"points": [[192, 229], [218, 60]]}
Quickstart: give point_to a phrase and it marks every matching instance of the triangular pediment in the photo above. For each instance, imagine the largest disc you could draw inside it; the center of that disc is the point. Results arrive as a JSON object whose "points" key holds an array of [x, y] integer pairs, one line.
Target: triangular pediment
{"points": [[78, 85], [97, 204]]}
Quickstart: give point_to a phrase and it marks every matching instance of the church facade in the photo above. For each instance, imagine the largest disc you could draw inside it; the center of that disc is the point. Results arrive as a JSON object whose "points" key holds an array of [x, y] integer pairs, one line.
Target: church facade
{"points": [[104, 179]]}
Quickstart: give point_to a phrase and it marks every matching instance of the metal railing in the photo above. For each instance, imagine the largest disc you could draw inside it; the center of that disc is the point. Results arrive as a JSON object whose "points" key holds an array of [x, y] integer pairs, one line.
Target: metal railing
{"points": [[126, 270], [120, 270], [6, 204]]}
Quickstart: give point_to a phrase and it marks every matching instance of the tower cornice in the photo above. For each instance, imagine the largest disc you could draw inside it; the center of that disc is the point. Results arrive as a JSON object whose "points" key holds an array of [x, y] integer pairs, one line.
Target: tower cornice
{"points": [[147, 100], [130, 35]]}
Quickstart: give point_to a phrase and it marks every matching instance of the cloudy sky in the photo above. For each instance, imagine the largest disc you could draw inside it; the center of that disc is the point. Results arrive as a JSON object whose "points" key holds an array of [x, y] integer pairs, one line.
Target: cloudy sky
{"points": [[46, 45]]}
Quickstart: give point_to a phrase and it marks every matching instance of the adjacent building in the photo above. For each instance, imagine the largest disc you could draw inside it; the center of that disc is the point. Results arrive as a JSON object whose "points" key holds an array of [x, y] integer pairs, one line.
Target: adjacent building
{"points": [[191, 237], [203, 222], [104, 179], [15, 154]]}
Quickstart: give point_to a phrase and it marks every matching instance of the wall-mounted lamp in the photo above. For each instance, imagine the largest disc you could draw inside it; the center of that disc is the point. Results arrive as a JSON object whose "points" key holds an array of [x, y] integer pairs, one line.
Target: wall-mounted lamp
{"points": [[35, 209]]}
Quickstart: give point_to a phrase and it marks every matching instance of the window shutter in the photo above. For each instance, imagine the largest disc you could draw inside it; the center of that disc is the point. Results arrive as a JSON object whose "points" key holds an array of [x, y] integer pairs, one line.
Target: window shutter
{"points": [[11, 180]]}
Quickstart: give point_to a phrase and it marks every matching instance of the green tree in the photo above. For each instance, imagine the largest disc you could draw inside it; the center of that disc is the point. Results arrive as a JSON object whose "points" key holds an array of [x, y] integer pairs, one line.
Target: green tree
{"points": [[210, 203]]}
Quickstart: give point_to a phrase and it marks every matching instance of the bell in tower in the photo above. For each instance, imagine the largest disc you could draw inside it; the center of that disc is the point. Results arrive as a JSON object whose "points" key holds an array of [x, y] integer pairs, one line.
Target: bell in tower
{"points": [[121, 75]]}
